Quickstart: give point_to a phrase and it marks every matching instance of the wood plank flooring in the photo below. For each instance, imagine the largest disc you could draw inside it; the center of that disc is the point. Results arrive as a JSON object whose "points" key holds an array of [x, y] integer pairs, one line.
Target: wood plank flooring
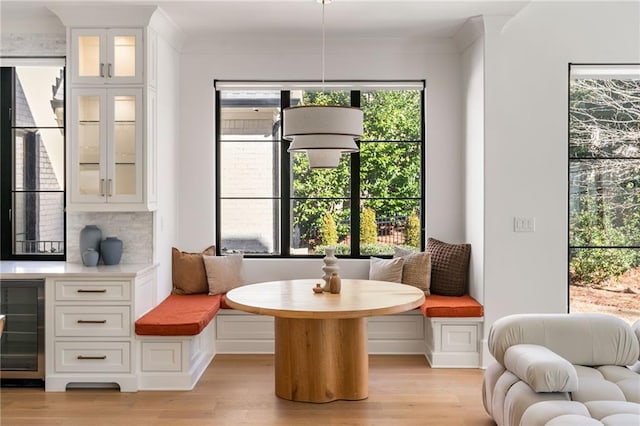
{"points": [[239, 390]]}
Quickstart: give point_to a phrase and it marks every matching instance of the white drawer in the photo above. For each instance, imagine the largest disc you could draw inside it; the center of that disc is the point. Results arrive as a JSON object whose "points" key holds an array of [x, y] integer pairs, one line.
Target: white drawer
{"points": [[92, 357], [93, 290], [98, 321]]}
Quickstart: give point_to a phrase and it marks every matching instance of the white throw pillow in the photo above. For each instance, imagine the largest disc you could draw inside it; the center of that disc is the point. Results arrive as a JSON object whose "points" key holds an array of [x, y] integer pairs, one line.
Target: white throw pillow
{"points": [[386, 269], [224, 273]]}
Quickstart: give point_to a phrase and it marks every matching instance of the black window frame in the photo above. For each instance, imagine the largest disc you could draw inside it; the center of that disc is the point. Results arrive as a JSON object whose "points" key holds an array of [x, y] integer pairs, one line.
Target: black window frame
{"points": [[585, 159], [7, 126], [285, 174]]}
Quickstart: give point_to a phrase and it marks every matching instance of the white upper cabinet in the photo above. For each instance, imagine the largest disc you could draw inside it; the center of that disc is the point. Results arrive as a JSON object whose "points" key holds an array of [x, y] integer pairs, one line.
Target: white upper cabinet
{"points": [[107, 56]]}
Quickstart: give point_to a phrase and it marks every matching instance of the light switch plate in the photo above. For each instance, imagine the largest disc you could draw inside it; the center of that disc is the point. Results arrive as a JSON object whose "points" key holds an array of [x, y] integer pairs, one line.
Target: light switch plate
{"points": [[524, 224]]}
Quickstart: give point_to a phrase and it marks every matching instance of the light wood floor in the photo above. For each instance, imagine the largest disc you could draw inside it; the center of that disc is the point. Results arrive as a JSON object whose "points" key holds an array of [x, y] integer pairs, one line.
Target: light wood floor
{"points": [[239, 390]]}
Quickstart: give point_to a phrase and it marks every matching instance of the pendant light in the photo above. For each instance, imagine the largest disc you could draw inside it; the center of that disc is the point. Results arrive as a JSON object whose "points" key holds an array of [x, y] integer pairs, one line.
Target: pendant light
{"points": [[323, 132]]}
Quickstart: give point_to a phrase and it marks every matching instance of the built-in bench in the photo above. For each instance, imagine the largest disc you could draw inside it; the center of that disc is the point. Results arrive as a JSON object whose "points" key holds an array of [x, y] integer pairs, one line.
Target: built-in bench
{"points": [[180, 336], [176, 341]]}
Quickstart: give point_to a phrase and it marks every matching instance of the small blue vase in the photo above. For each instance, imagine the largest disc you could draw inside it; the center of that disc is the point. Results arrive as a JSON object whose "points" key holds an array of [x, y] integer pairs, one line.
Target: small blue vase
{"points": [[111, 250], [90, 257]]}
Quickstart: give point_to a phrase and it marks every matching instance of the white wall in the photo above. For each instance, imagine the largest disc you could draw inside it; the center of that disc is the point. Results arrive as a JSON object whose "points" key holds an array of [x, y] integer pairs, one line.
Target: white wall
{"points": [[168, 151], [473, 94], [525, 134], [355, 59]]}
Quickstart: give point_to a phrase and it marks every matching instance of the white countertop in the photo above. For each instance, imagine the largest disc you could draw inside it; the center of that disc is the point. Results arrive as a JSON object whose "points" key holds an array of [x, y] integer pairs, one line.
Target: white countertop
{"points": [[35, 269]]}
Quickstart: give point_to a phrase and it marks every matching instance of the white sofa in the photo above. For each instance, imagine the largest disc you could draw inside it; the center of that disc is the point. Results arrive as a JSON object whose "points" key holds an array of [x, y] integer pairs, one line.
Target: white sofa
{"points": [[562, 370]]}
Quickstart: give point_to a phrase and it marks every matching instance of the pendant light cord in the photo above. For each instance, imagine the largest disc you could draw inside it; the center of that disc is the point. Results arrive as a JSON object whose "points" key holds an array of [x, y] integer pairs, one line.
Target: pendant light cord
{"points": [[323, 46]]}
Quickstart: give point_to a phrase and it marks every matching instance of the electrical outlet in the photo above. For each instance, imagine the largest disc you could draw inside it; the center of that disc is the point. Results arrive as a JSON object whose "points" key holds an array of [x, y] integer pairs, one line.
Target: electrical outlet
{"points": [[524, 224]]}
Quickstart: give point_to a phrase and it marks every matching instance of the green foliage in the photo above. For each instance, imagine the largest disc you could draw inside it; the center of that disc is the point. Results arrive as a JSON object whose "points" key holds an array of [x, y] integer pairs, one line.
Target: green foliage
{"points": [[593, 226], [341, 249], [368, 227], [328, 231], [412, 230]]}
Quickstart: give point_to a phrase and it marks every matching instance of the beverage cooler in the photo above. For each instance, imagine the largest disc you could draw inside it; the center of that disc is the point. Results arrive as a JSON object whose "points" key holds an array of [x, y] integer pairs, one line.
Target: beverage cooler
{"points": [[22, 343]]}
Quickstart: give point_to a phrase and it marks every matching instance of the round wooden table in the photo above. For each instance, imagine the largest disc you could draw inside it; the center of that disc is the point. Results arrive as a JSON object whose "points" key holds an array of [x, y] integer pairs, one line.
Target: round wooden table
{"points": [[321, 339]]}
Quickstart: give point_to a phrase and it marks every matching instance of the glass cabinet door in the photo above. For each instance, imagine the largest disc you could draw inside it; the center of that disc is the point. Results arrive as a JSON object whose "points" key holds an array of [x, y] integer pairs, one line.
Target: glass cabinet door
{"points": [[89, 143], [101, 56], [124, 182], [90, 53], [124, 56]]}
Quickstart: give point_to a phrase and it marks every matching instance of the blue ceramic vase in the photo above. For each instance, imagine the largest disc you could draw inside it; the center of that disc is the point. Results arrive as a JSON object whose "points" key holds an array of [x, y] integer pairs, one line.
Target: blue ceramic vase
{"points": [[111, 250], [90, 237], [90, 257]]}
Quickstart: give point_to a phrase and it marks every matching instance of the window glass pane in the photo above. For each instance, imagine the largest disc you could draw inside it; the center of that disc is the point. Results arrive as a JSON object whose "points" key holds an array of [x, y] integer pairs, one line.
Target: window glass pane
{"points": [[250, 116], [604, 200], [250, 169], [250, 226], [605, 118], [39, 97], [38, 222], [319, 222], [600, 281], [320, 97], [38, 159], [385, 223], [392, 115], [390, 169], [320, 183]]}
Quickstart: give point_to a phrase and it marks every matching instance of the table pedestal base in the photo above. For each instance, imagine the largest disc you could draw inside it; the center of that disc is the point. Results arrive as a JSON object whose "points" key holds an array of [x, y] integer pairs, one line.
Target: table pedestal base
{"points": [[321, 360]]}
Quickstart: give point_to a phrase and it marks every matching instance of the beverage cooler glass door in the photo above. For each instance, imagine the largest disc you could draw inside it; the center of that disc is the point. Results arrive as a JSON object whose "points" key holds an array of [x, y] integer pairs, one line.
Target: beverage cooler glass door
{"points": [[22, 342]]}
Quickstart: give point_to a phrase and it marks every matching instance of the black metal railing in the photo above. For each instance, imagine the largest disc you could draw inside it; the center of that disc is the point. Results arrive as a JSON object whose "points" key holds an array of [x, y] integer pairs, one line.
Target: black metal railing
{"points": [[39, 247]]}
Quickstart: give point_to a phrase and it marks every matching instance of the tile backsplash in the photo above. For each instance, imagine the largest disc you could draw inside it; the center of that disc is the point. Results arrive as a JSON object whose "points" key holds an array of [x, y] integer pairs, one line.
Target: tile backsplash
{"points": [[135, 229]]}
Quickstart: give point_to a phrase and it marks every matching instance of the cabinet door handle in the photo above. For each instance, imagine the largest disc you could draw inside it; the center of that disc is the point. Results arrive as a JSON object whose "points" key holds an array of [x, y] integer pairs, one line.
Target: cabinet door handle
{"points": [[109, 71], [109, 187], [102, 192], [92, 357], [102, 290], [101, 70], [92, 321]]}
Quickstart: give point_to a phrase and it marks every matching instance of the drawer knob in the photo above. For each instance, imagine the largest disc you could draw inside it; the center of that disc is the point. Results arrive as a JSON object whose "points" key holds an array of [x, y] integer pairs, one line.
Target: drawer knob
{"points": [[92, 357], [92, 321], [81, 290]]}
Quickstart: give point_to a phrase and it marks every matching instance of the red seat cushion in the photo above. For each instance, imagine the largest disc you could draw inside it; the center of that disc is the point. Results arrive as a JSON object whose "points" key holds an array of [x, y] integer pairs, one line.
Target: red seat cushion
{"points": [[451, 306], [179, 315], [223, 302]]}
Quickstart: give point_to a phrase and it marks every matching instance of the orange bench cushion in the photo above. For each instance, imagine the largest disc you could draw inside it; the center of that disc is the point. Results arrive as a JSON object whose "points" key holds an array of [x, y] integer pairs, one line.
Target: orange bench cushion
{"points": [[451, 306], [179, 315]]}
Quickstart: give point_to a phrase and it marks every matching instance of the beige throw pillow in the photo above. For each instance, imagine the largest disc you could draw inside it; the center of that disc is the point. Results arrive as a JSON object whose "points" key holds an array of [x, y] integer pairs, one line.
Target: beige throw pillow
{"points": [[386, 269], [416, 270], [187, 271], [224, 273]]}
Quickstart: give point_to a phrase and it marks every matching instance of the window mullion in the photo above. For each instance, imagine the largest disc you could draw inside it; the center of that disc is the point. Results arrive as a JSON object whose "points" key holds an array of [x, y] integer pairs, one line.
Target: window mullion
{"points": [[355, 188], [285, 188]]}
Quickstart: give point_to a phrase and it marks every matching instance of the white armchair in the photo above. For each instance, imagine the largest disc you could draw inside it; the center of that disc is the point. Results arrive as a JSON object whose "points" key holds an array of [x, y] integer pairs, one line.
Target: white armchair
{"points": [[563, 369]]}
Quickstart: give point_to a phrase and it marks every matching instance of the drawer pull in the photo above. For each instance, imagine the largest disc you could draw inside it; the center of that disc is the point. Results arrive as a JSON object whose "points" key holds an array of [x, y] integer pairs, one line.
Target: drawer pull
{"points": [[102, 290], [92, 321], [92, 357]]}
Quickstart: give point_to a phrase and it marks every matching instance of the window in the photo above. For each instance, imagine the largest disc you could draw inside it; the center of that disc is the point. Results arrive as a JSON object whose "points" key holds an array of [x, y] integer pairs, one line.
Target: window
{"points": [[271, 204], [32, 160], [604, 189]]}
